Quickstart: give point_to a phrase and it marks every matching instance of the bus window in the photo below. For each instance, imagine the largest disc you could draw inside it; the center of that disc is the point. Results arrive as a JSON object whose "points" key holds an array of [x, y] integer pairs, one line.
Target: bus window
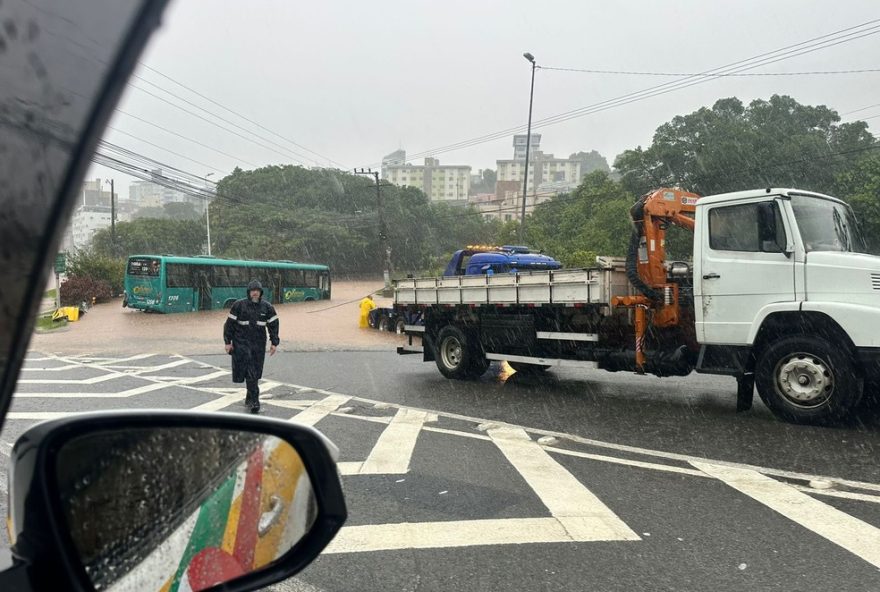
{"points": [[237, 276], [143, 267], [178, 275], [221, 276], [291, 278]]}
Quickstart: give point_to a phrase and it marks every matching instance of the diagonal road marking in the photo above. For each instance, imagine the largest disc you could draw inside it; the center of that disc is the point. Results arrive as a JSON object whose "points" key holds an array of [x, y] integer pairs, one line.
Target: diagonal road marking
{"points": [[459, 533], [321, 409], [393, 450], [854, 535], [582, 514]]}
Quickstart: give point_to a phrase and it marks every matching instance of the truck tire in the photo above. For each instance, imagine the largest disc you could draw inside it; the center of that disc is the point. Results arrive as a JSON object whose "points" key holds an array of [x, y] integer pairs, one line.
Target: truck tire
{"points": [[807, 380], [399, 326], [384, 323], [458, 356], [528, 368]]}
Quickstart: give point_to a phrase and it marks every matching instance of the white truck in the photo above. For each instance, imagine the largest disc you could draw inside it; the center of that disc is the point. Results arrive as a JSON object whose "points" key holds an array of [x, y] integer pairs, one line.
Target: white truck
{"points": [[777, 295]]}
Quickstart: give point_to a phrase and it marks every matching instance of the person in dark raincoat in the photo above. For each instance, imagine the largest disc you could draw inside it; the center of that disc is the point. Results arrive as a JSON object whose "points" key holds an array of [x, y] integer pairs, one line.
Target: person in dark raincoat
{"points": [[245, 336]]}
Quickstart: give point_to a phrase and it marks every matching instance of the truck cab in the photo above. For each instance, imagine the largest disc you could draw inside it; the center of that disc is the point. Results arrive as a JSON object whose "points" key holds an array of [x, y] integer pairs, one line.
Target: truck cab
{"points": [[487, 260], [778, 270]]}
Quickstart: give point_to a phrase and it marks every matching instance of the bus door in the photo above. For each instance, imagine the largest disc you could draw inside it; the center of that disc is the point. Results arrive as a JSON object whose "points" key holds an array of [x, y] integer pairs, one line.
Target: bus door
{"points": [[204, 287]]}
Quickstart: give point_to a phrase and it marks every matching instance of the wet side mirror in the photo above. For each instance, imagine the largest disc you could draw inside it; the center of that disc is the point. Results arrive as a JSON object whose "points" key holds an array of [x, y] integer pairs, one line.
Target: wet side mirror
{"points": [[170, 501]]}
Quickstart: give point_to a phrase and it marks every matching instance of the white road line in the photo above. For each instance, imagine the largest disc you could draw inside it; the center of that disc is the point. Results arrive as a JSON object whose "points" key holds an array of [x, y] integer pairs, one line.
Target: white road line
{"points": [[621, 447], [288, 404], [221, 402], [393, 450], [150, 369], [92, 380], [349, 467], [457, 433], [455, 533], [321, 409], [52, 369], [862, 497], [627, 462], [582, 514], [128, 359], [854, 535]]}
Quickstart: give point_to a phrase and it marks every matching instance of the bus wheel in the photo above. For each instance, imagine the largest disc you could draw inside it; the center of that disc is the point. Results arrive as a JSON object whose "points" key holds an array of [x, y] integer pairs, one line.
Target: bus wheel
{"points": [[229, 303], [807, 380], [458, 356]]}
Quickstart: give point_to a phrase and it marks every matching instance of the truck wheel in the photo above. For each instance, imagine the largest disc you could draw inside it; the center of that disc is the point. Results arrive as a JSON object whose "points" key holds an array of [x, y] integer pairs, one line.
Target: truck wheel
{"points": [[528, 368], [456, 355], [807, 380], [384, 323], [399, 326]]}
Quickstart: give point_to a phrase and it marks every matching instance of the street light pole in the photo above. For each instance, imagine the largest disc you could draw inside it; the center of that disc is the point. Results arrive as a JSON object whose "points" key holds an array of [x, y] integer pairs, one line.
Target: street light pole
{"points": [[522, 220], [383, 229], [207, 215], [112, 217]]}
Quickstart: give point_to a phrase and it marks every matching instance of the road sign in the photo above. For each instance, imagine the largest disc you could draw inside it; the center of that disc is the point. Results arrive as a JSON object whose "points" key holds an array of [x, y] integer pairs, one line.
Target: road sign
{"points": [[60, 263]]}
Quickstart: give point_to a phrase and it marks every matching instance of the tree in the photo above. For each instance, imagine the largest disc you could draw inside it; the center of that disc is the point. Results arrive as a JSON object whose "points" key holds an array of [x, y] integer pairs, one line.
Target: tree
{"points": [[730, 147], [591, 161], [486, 183], [594, 219], [331, 217], [151, 236], [860, 187]]}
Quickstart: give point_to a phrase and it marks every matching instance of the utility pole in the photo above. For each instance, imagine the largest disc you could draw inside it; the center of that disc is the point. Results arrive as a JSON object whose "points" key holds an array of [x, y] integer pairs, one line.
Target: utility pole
{"points": [[112, 218], [207, 215], [522, 219], [383, 229]]}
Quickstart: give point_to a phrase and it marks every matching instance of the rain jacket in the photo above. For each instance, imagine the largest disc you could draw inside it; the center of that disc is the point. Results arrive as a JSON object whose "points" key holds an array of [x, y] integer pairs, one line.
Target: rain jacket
{"points": [[245, 329], [367, 305]]}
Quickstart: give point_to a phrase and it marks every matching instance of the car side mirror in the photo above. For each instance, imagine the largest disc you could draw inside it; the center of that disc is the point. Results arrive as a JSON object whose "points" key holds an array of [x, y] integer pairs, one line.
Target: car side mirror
{"points": [[159, 500]]}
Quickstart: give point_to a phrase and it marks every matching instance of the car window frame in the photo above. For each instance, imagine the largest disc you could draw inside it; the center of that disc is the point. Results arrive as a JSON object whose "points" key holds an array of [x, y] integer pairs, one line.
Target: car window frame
{"points": [[145, 22]]}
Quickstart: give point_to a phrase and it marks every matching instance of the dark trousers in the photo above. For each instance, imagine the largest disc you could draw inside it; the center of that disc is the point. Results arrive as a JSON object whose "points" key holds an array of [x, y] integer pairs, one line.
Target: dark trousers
{"points": [[253, 391]]}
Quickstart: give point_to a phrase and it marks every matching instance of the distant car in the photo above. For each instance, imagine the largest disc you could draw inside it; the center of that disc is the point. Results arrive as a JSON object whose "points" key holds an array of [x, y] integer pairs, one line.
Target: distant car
{"points": [[387, 319]]}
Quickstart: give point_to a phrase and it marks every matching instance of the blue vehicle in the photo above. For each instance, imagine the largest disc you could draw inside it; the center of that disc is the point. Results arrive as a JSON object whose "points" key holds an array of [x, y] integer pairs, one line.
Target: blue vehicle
{"points": [[487, 260]]}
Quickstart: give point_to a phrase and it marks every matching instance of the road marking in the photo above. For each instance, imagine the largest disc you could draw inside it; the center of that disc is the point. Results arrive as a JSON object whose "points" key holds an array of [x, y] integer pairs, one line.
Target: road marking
{"points": [[854, 535], [349, 467], [459, 533], [52, 369], [120, 360], [92, 380], [582, 514], [627, 462], [321, 409], [393, 450], [862, 497], [173, 364]]}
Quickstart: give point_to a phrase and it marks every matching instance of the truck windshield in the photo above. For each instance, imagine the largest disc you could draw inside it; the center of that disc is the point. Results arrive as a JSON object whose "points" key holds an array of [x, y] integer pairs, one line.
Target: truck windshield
{"points": [[826, 225]]}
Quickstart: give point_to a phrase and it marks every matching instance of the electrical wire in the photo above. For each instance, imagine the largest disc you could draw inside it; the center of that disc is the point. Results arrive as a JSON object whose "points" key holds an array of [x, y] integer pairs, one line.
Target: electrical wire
{"points": [[690, 74]]}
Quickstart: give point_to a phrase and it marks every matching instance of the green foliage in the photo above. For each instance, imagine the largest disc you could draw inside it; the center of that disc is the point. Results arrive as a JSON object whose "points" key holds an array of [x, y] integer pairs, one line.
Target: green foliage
{"points": [[97, 266], [486, 183], [594, 219], [331, 217], [172, 211], [731, 147], [860, 187], [591, 161], [147, 236]]}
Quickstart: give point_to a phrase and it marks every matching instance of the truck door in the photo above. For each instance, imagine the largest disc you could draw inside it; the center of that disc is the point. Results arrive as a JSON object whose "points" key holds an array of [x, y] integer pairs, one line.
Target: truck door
{"points": [[743, 267]]}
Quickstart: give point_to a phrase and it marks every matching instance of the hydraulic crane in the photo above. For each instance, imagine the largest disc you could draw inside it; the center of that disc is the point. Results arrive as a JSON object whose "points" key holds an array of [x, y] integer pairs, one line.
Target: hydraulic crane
{"points": [[646, 262]]}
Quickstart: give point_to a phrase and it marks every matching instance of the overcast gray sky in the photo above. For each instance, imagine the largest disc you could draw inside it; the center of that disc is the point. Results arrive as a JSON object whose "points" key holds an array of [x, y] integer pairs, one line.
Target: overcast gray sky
{"points": [[353, 81]]}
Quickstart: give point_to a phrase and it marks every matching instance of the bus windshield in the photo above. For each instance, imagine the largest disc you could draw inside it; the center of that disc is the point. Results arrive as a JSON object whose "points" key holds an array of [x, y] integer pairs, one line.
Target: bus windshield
{"points": [[143, 266]]}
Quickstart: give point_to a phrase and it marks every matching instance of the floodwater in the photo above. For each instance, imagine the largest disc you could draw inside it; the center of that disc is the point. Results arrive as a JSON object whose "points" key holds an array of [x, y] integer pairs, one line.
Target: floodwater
{"points": [[305, 326]]}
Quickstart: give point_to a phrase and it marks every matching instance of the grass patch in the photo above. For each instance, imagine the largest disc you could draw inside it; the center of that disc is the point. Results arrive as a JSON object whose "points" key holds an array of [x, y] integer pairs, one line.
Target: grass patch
{"points": [[45, 323], [50, 293]]}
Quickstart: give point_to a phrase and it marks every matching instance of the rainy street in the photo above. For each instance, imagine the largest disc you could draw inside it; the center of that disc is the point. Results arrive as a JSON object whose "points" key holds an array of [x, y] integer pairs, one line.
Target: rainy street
{"points": [[592, 480]]}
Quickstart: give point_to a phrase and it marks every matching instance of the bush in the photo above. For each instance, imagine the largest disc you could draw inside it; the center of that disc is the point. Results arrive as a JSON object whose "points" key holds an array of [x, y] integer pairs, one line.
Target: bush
{"points": [[76, 289], [89, 264]]}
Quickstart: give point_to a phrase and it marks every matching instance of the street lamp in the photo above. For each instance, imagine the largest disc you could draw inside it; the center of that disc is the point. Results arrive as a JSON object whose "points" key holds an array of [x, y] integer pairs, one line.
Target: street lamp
{"points": [[522, 221], [207, 216]]}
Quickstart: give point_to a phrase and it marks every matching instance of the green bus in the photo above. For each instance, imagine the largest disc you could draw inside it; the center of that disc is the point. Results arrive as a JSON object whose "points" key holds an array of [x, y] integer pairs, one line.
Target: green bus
{"points": [[165, 283]]}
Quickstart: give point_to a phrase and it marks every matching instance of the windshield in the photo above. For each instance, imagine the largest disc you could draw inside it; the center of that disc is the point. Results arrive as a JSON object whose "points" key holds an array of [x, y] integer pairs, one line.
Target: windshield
{"points": [[826, 225]]}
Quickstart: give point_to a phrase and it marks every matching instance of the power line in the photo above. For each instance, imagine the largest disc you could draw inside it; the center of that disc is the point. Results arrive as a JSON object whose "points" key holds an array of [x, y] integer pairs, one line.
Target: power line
{"points": [[861, 109], [691, 74], [783, 53], [245, 118], [164, 149]]}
